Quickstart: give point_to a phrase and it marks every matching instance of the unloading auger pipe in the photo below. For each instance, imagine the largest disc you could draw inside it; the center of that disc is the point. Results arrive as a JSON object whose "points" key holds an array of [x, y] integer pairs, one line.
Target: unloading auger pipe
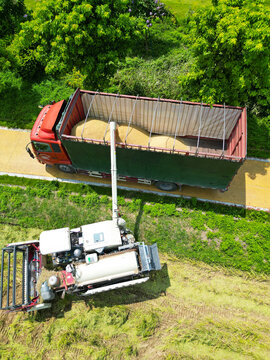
{"points": [[113, 173]]}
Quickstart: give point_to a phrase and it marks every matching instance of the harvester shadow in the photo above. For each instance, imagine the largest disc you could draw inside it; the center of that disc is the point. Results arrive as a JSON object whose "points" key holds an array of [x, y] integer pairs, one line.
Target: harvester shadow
{"points": [[138, 221], [155, 287]]}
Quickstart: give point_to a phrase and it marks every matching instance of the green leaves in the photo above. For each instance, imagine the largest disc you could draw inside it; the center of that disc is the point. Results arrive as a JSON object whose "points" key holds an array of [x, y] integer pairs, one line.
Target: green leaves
{"points": [[231, 45], [12, 13], [68, 35]]}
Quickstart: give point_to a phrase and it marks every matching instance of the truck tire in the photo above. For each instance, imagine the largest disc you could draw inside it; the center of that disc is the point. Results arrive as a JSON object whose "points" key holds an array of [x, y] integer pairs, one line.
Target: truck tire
{"points": [[224, 190], [66, 168], [166, 186]]}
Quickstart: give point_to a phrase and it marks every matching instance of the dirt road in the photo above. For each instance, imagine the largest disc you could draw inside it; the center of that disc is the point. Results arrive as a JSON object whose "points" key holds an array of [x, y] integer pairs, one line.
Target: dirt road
{"points": [[250, 187]]}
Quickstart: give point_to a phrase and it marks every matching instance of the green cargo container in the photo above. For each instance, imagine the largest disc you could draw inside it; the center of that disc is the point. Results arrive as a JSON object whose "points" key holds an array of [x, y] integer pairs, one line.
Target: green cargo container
{"points": [[166, 167]]}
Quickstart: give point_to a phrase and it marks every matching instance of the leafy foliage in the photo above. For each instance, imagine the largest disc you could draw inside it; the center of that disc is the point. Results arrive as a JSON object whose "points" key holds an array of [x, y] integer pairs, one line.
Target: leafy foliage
{"points": [[154, 71], [11, 14], [77, 37], [150, 10], [230, 41], [23, 112]]}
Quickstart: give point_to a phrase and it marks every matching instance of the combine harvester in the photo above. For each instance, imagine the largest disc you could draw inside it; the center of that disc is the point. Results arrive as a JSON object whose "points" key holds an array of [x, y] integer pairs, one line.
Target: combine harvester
{"points": [[87, 260], [167, 143]]}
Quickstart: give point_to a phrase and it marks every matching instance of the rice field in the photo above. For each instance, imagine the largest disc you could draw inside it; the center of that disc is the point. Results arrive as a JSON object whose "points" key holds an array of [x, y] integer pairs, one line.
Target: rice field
{"points": [[188, 310]]}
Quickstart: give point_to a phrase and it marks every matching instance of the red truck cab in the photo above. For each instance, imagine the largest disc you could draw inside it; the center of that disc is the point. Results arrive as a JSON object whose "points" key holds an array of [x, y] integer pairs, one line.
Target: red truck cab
{"points": [[45, 143]]}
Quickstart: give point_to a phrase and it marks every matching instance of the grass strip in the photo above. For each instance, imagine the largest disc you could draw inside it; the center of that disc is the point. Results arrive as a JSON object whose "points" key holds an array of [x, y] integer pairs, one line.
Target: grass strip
{"points": [[184, 228]]}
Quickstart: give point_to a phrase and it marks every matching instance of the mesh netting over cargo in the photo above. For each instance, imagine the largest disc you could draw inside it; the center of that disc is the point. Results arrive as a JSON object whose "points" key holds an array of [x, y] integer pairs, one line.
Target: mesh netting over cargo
{"points": [[163, 117]]}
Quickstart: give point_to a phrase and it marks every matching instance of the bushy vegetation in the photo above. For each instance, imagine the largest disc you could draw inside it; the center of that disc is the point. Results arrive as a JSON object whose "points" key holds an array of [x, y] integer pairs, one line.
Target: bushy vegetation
{"points": [[155, 71], [230, 41], [29, 95], [75, 37], [11, 14]]}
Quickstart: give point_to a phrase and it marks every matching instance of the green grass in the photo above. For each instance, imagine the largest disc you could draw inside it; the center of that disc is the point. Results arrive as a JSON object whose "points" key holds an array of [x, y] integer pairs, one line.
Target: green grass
{"points": [[188, 310], [180, 8], [185, 229], [258, 137], [153, 69], [19, 102]]}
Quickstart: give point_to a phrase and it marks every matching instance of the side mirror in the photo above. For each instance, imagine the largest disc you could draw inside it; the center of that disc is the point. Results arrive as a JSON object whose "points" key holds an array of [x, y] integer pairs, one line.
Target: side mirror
{"points": [[29, 151]]}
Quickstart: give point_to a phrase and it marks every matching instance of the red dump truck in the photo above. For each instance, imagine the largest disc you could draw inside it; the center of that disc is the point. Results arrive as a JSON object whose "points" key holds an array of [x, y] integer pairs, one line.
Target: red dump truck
{"points": [[215, 139]]}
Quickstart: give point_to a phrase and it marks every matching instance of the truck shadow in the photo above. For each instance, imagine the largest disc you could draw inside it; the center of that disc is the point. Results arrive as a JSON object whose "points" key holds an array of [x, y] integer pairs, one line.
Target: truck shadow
{"points": [[245, 187], [155, 287], [254, 168]]}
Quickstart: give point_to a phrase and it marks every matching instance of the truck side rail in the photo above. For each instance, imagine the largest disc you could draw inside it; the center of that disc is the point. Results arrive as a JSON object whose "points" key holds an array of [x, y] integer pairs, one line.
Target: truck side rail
{"points": [[155, 149]]}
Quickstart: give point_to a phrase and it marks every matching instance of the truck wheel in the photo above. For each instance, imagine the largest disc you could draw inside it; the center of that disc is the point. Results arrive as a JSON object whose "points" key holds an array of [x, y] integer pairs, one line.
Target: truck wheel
{"points": [[223, 190], [166, 186], [66, 168]]}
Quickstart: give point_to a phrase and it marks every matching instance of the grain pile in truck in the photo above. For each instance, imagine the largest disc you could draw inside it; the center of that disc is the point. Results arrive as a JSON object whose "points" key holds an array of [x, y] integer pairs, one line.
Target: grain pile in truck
{"points": [[98, 130], [163, 142], [93, 129], [168, 142]]}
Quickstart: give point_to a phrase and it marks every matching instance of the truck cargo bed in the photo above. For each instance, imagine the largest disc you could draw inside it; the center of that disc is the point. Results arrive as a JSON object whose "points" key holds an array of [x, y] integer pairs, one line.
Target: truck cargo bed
{"points": [[214, 138]]}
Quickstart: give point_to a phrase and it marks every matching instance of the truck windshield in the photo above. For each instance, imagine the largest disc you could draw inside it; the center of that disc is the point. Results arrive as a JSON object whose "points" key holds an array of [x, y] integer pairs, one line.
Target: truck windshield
{"points": [[42, 147]]}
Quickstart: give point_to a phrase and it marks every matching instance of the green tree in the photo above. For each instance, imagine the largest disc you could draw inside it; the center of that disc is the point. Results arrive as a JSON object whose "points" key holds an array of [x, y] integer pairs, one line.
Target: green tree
{"points": [[76, 37], [231, 47], [12, 13]]}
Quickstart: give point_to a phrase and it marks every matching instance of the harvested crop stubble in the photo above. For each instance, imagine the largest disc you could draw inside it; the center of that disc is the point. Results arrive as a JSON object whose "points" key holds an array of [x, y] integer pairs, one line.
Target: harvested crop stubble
{"points": [[99, 130]]}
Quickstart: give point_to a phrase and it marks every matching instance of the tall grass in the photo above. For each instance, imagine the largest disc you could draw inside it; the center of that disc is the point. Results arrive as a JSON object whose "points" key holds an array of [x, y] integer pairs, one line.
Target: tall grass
{"points": [[180, 8], [186, 229]]}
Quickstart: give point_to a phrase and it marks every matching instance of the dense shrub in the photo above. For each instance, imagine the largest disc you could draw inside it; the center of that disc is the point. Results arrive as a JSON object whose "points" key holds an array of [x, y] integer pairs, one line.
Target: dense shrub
{"points": [[150, 10], [75, 37], [231, 46], [12, 13]]}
